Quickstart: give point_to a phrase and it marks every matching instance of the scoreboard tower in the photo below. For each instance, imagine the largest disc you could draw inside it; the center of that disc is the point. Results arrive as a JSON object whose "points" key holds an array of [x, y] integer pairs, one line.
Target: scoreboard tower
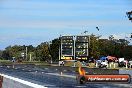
{"points": [[81, 47], [74, 47], [67, 48]]}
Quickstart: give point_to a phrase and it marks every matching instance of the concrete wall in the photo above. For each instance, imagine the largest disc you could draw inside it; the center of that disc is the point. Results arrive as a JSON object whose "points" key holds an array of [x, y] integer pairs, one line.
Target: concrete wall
{"points": [[12, 82]]}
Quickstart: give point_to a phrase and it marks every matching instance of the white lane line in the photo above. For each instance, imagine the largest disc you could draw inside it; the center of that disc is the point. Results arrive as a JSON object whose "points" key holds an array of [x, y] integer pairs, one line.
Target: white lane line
{"points": [[29, 70], [23, 81], [8, 66], [80, 86], [63, 75]]}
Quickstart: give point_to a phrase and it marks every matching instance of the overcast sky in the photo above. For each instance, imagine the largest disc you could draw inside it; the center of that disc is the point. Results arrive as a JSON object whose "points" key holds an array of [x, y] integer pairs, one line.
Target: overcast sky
{"points": [[30, 22]]}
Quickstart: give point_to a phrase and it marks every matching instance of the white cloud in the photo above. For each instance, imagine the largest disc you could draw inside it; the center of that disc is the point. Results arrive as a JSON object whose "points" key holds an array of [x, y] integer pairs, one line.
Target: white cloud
{"points": [[20, 39], [24, 4], [122, 36], [119, 36], [7, 23]]}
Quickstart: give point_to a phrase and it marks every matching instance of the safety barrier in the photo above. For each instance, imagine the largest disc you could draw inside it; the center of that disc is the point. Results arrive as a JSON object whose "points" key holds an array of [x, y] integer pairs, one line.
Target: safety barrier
{"points": [[12, 82]]}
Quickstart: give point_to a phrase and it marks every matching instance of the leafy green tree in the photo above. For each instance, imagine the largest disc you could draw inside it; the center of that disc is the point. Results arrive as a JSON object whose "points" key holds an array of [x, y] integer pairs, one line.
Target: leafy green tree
{"points": [[15, 51], [46, 52], [94, 46], [1, 53], [128, 52], [42, 52], [54, 49], [103, 45]]}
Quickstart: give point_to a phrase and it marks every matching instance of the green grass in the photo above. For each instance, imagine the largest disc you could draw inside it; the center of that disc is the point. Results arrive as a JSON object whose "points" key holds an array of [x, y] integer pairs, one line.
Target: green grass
{"points": [[42, 63], [8, 62], [35, 62], [92, 65], [69, 63], [5, 62]]}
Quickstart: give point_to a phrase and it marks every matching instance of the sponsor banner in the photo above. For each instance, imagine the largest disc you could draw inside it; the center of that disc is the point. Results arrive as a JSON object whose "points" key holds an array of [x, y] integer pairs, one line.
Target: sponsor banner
{"points": [[101, 78], [121, 78]]}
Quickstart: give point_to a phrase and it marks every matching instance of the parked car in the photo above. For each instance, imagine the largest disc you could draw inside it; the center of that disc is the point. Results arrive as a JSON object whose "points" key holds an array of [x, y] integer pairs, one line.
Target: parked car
{"points": [[122, 62], [102, 63]]}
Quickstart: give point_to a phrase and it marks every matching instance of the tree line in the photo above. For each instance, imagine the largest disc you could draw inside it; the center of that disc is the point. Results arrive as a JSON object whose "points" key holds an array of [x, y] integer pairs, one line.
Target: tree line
{"points": [[43, 52], [110, 47], [46, 51]]}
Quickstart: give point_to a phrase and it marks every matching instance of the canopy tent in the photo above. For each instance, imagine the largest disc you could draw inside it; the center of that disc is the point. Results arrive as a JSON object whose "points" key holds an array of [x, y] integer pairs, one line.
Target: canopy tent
{"points": [[111, 58], [103, 58]]}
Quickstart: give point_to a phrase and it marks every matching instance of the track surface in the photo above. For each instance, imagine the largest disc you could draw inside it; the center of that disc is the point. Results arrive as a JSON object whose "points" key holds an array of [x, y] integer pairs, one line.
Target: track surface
{"points": [[51, 78]]}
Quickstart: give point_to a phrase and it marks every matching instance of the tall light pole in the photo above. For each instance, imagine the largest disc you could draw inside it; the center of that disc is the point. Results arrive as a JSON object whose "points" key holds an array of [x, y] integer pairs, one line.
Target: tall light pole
{"points": [[59, 53], [60, 48], [48, 44], [30, 57], [50, 51], [74, 39], [26, 52], [88, 44]]}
